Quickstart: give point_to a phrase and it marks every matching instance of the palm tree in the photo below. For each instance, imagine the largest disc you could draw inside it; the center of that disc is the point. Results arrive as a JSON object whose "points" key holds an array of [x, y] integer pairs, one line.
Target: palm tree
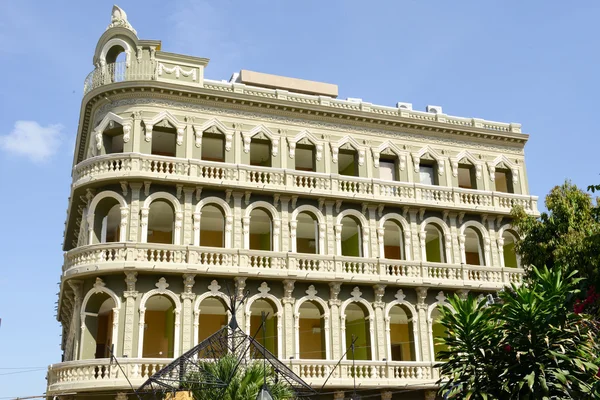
{"points": [[241, 382]]}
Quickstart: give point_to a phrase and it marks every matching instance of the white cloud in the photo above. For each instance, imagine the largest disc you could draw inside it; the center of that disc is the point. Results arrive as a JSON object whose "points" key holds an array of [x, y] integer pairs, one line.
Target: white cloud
{"points": [[30, 139]]}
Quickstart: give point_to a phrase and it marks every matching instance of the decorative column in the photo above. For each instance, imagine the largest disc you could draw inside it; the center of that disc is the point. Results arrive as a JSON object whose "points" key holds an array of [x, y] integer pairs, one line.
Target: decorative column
{"points": [[500, 242], [335, 304], [77, 288], [329, 220], [288, 301], [134, 212], [373, 240], [461, 248], [238, 236], [378, 306], [423, 324], [240, 290], [338, 239], [188, 297], [459, 253], [130, 299], [285, 235], [189, 225], [414, 231], [123, 224]]}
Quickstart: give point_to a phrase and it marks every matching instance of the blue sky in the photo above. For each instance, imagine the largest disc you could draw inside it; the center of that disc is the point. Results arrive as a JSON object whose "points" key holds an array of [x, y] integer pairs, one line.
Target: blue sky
{"points": [[532, 62]]}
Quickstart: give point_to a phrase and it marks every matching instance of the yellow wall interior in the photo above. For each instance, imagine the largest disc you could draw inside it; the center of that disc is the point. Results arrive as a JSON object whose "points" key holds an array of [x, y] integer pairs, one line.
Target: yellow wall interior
{"points": [[312, 338], [402, 342], [158, 334]]}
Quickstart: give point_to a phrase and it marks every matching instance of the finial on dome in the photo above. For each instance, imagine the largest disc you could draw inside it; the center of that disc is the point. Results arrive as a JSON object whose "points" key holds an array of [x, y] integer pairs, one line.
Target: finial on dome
{"points": [[119, 18]]}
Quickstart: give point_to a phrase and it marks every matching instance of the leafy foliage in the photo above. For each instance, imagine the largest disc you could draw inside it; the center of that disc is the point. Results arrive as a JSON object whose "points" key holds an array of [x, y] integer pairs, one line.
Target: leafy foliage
{"points": [[529, 345], [242, 382]]}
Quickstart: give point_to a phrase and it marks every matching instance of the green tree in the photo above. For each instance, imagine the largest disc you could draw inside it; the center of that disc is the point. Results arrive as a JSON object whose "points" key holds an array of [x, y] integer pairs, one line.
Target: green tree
{"points": [[243, 382], [528, 345], [567, 236]]}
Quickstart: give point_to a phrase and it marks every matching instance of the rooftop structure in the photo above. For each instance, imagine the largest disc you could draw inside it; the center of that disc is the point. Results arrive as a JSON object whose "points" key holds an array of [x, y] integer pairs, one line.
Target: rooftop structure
{"points": [[340, 218]]}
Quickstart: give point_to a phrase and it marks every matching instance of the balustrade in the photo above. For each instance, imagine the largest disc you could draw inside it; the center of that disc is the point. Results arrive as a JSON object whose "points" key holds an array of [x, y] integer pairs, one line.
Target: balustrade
{"points": [[246, 177], [165, 258]]}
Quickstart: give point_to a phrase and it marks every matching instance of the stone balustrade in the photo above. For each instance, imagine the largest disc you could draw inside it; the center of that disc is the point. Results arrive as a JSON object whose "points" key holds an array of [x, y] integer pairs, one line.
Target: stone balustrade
{"points": [[247, 177], [153, 70], [112, 257], [102, 374]]}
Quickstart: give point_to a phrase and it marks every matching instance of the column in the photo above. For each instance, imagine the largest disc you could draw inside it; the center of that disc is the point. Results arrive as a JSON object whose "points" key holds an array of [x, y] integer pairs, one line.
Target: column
{"points": [[458, 253], [238, 239], [130, 304], [285, 217], [288, 301], [188, 224], [424, 336], [378, 306], [414, 231], [335, 304], [374, 250], [187, 317], [76, 323], [134, 215], [240, 290], [330, 221]]}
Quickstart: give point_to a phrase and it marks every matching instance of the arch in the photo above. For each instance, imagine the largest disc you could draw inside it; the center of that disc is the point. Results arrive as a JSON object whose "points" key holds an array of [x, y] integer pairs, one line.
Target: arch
{"points": [[311, 296], [446, 237], [274, 217], [388, 145], [320, 236], [308, 208], [109, 45], [108, 118], [439, 158], [161, 290], [264, 289], [91, 213], [99, 287], [502, 159], [220, 127], [228, 214], [360, 151], [274, 139], [357, 299], [347, 140], [478, 226], [440, 301], [477, 164], [168, 197], [171, 119], [405, 231], [215, 293], [364, 226], [400, 301], [506, 251]]}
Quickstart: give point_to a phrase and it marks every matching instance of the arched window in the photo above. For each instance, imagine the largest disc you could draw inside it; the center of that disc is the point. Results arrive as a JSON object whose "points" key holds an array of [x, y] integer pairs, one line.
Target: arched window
{"points": [[511, 260], [437, 331], [434, 244], [358, 326], [107, 221], [393, 240], [159, 327], [305, 156], [402, 339], [270, 327], [348, 161], [161, 221], [351, 237], [212, 226], [260, 151], [473, 247], [311, 331], [261, 229], [307, 235], [212, 317], [98, 333], [213, 145], [164, 139], [116, 63]]}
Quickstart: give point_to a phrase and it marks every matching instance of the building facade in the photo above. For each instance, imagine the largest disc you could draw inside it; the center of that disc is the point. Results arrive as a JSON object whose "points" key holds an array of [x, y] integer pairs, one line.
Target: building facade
{"points": [[340, 218]]}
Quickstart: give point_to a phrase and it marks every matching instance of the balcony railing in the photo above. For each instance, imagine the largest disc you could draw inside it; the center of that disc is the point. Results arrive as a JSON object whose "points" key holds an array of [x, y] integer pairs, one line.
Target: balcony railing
{"points": [[137, 165], [101, 374], [108, 257], [169, 71]]}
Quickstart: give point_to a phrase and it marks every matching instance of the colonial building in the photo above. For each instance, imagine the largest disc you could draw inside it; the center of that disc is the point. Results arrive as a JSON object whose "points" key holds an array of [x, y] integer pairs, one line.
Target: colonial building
{"points": [[340, 218]]}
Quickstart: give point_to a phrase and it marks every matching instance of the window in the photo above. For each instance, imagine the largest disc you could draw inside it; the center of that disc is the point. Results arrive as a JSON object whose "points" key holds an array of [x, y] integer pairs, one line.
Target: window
{"points": [[434, 244], [351, 240], [307, 234], [260, 152], [161, 220], [503, 179], [466, 176], [212, 227], [311, 331], [260, 230], [387, 169], [402, 339], [348, 162], [393, 237], [164, 141], [213, 147], [269, 340], [97, 335], [305, 158], [427, 174], [212, 317], [112, 140], [508, 250], [159, 328], [473, 247], [357, 326]]}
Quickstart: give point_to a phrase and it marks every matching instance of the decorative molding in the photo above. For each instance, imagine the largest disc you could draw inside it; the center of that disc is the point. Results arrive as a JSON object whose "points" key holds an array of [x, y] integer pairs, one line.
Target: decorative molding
{"points": [[178, 71]]}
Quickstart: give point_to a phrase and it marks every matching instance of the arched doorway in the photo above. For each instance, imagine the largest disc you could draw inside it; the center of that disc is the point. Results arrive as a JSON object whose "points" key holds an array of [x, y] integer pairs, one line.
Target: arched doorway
{"points": [[261, 228], [307, 235], [357, 326], [212, 226], [212, 316], [159, 327], [473, 247], [402, 339], [107, 221], [271, 338], [161, 222], [311, 331], [509, 254], [434, 244], [97, 335], [351, 237], [393, 241]]}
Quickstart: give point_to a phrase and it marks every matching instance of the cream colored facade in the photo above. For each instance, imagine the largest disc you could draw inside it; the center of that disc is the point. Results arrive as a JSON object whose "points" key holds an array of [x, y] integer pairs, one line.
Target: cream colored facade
{"points": [[339, 217]]}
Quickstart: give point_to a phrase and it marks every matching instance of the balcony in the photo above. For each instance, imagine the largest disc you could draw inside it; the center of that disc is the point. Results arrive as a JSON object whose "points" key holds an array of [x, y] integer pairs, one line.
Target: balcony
{"points": [[114, 257], [101, 374], [334, 186]]}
